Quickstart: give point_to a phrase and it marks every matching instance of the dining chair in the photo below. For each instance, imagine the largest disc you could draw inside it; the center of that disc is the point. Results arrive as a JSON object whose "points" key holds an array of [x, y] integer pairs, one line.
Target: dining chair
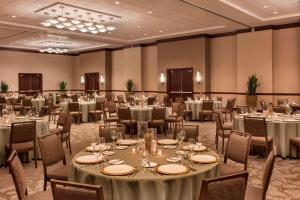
{"points": [[65, 133], [242, 109], [151, 100], [264, 105], [121, 100], [64, 190], [229, 187], [26, 105], [2, 101], [109, 97], [187, 112], [219, 99], [177, 118], [109, 119], [259, 193], [237, 150], [74, 98], [1, 110], [52, 111], [125, 118], [105, 131], [207, 110], [74, 111], [221, 131], [282, 102], [294, 144], [191, 131], [45, 107], [52, 153], [279, 109], [97, 112], [229, 108], [111, 108], [23, 139], [18, 174], [60, 122], [158, 119], [179, 100], [257, 127]]}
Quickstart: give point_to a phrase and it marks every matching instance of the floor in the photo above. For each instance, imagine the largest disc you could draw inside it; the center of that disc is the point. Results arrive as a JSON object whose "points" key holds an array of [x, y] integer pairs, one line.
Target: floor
{"points": [[285, 182]]}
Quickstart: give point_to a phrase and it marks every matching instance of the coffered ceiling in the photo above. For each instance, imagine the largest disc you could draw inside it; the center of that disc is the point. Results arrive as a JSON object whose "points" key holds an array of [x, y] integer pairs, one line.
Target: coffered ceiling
{"points": [[141, 21]]}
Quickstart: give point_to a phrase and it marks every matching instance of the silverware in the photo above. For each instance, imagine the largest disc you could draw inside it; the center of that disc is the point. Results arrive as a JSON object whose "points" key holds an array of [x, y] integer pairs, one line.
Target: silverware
{"points": [[135, 172]]}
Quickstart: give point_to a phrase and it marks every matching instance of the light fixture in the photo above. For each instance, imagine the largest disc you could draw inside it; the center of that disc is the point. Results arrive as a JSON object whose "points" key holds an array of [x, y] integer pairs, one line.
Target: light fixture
{"points": [[162, 78], [13, 16], [198, 77], [117, 2], [82, 20], [149, 12], [102, 80], [275, 12], [82, 80], [53, 47], [266, 6]]}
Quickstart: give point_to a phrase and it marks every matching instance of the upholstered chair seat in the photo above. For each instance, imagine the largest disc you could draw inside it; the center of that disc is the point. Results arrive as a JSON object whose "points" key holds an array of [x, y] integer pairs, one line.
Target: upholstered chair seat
{"points": [[255, 193], [260, 140], [24, 146], [295, 140], [58, 172], [226, 169]]}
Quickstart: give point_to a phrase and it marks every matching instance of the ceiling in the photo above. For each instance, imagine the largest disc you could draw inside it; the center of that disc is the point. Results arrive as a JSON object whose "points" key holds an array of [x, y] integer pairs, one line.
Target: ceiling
{"points": [[141, 21]]}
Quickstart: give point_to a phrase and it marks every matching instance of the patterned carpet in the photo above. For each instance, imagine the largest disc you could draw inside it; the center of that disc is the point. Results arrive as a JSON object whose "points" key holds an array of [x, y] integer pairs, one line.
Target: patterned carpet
{"points": [[285, 182]]}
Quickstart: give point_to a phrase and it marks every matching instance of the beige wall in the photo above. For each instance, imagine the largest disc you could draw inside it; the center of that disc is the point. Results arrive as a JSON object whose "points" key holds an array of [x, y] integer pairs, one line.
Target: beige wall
{"points": [[183, 54], [149, 70], [55, 68], [127, 64]]}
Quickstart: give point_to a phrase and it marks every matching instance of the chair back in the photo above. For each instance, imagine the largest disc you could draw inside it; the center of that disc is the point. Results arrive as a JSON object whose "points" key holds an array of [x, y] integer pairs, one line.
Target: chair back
{"points": [[151, 100], [20, 99], [264, 105], [1, 107], [218, 120], [26, 102], [62, 118], [18, 174], [158, 113], [256, 126], [2, 100], [279, 109], [268, 173], [124, 113], [109, 97], [179, 100], [99, 105], [208, 105], [219, 99], [120, 99], [175, 107], [230, 187], [73, 106], [230, 104], [111, 107], [238, 148], [191, 131], [105, 131], [66, 130], [63, 190], [282, 102], [51, 149], [180, 111], [74, 98], [242, 109], [22, 132]]}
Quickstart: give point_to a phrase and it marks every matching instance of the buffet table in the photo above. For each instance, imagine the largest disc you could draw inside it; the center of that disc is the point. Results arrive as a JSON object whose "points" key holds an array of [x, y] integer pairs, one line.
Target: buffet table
{"points": [[145, 185], [281, 128]]}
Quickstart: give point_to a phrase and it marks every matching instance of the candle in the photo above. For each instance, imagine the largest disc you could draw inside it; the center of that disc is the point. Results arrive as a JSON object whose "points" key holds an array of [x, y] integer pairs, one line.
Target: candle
{"points": [[133, 150], [159, 152]]}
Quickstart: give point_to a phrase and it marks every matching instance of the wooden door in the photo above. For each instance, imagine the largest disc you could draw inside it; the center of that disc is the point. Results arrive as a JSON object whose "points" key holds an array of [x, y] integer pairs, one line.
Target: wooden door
{"points": [[91, 82], [180, 83], [30, 83]]}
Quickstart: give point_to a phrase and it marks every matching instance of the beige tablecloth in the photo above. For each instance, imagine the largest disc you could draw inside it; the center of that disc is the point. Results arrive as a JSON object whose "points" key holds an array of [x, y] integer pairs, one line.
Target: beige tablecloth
{"points": [[42, 128], [144, 113], [196, 107], [38, 103], [281, 131], [144, 185], [84, 107]]}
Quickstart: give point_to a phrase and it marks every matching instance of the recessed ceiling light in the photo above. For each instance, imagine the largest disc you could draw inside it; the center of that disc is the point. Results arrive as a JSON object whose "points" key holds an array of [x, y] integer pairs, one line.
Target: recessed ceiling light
{"points": [[131, 36], [13, 16], [139, 26], [145, 34], [117, 2], [160, 31], [275, 12], [149, 12], [266, 6]]}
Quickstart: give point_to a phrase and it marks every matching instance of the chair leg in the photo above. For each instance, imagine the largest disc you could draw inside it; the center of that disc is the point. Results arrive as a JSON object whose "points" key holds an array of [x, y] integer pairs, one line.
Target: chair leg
{"points": [[217, 142], [70, 149], [290, 151], [35, 158], [45, 184], [223, 145]]}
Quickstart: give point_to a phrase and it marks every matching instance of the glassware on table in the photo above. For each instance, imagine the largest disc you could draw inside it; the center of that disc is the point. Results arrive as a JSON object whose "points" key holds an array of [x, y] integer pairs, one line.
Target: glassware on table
{"points": [[191, 147], [180, 138], [119, 136], [288, 110], [102, 147], [114, 136], [95, 142], [143, 158]]}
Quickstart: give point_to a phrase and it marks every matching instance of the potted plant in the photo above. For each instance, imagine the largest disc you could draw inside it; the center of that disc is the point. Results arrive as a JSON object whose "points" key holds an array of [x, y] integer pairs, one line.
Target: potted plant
{"points": [[62, 86], [129, 85], [4, 87], [252, 84]]}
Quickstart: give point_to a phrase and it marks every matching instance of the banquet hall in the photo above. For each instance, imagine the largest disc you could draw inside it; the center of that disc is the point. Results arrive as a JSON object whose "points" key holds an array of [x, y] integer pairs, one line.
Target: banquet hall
{"points": [[150, 99]]}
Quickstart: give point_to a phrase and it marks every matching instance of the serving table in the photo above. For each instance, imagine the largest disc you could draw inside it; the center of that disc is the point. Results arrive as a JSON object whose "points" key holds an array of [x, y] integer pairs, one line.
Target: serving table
{"points": [[144, 185], [280, 127]]}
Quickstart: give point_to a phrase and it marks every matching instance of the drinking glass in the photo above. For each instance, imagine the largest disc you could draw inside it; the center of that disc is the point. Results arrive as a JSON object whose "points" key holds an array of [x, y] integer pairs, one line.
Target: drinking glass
{"points": [[191, 146], [143, 158], [95, 144], [102, 148], [119, 136], [180, 138], [114, 136]]}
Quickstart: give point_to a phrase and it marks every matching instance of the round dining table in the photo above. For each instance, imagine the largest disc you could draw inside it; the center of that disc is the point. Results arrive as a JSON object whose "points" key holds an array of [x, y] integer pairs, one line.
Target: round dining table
{"points": [[42, 128], [145, 184], [84, 106], [280, 127], [144, 113], [196, 106]]}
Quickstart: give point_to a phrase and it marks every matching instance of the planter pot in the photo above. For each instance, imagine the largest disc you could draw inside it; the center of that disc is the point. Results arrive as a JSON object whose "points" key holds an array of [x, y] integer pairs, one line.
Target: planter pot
{"points": [[251, 101]]}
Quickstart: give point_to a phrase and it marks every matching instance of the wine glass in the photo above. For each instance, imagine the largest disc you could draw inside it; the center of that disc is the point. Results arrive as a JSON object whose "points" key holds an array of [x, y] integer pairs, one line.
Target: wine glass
{"points": [[114, 136], [144, 158], [180, 138], [289, 110], [102, 148], [119, 136], [95, 144], [191, 146]]}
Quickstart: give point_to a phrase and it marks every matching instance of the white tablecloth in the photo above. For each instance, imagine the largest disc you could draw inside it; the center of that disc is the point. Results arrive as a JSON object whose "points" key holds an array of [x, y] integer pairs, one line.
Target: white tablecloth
{"points": [[144, 113], [42, 128], [196, 107], [281, 131], [38, 103], [84, 107]]}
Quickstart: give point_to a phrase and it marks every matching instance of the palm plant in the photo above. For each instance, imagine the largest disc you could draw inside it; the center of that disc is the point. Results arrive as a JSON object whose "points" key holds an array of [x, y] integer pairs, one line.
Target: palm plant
{"points": [[129, 85], [4, 87], [62, 86], [252, 85]]}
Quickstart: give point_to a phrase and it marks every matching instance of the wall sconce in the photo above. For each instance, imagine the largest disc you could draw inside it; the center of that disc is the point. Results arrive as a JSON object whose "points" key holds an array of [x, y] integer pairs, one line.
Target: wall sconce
{"points": [[102, 80], [198, 77], [82, 79], [162, 78]]}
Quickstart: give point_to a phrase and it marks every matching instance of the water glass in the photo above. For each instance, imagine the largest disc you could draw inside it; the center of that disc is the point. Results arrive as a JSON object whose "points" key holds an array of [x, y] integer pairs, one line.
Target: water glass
{"points": [[180, 137], [114, 136]]}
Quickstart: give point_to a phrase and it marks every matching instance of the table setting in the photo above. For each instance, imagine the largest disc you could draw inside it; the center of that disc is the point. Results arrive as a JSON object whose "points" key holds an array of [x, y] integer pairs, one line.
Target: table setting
{"points": [[144, 166]]}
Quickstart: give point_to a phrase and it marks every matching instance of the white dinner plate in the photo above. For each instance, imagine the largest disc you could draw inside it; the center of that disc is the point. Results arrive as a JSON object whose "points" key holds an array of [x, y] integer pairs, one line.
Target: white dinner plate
{"points": [[121, 147], [167, 142], [204, 159], [97, 148], [118, 170], [169, 147], [88, 159], [127, 142], [116, 162], [172, 169], [108, 153], [173, 159]]}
